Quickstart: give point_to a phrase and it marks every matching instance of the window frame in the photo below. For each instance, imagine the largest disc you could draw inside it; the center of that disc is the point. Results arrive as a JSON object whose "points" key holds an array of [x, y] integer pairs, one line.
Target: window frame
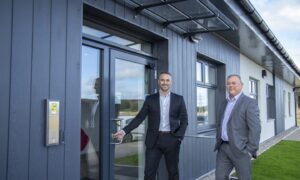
{"points": [[211, 86], [289, 104], [284, 103], [270, 102], [255, 94], [203, 74], [115, 32]]}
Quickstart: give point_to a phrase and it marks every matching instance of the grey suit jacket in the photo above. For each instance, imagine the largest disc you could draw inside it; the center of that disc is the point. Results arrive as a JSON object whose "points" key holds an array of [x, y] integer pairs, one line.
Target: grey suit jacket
{"points": [[243, 126]]}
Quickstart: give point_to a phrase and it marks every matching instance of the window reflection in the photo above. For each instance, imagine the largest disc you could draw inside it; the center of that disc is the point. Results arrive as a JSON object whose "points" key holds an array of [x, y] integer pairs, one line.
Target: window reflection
{"points": [[90, 91], [206, 75], [210, 74], [205, 106], [253, 90], [199, 71], [130, 92], [93, 32], [118, 38]]}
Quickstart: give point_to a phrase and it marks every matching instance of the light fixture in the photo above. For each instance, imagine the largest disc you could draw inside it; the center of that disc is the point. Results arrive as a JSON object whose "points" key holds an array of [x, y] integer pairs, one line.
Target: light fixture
{"points": [[195, 38], [263, 73]]}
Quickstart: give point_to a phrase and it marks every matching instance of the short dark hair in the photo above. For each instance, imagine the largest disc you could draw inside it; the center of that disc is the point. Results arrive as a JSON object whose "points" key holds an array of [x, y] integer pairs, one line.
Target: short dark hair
{"points": [[165, 72], [235, 75]]}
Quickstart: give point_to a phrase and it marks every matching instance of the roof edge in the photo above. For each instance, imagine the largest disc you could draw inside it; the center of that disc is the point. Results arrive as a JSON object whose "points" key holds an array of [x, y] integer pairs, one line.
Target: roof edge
{"points": [[262, 25]]}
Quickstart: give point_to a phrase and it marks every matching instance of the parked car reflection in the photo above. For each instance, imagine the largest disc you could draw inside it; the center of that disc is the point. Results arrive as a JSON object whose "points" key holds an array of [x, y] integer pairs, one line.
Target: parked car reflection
{"points": [[136, 134]]}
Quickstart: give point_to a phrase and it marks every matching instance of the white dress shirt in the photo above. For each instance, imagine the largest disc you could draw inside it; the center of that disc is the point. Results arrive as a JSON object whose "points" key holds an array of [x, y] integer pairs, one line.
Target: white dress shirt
{"points": [[164, 112], [230, 105]]}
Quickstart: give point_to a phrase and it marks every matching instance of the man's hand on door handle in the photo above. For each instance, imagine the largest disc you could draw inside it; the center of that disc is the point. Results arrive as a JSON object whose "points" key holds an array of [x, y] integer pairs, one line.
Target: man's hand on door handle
{"points": [[119, 135]]}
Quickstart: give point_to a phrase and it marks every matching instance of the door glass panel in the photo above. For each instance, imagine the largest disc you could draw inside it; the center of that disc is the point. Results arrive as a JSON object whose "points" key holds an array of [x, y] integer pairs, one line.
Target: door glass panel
{"points": [[90, 97], [130, 92]]}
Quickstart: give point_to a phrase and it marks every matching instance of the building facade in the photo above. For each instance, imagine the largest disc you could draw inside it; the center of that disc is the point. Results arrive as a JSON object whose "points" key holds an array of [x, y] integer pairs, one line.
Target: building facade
{"points": [[98, 59]]}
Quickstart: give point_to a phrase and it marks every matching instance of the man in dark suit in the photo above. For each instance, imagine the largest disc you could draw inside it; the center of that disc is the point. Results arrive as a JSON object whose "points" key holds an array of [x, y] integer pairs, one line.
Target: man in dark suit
{"points": [[167, 122], [238, 132]]}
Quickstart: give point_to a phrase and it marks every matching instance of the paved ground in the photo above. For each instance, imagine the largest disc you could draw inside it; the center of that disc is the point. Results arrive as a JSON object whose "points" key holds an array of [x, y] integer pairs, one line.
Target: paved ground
{"points": [[291, 134], [295, 136]]}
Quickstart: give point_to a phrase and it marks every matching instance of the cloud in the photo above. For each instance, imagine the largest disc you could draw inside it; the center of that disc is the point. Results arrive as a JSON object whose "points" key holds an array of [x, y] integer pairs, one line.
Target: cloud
{"points": [[291, 13], [280, 15], [283, 18]]}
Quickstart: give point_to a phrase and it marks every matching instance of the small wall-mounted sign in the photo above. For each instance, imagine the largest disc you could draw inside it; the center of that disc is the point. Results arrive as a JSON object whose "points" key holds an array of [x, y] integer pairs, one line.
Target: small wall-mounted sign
{"points": [[52, 122]]}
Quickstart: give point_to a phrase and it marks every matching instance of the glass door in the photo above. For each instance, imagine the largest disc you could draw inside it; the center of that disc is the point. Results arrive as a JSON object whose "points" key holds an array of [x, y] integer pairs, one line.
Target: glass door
{"points": [[90, 113], [129, 87]]}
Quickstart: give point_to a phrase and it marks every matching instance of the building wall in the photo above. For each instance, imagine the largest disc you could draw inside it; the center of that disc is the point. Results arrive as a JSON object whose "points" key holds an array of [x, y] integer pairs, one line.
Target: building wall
{"points": [[289, 118], [249, 69], [197, 156], [279, 122], [284, 121], [40, 59]]}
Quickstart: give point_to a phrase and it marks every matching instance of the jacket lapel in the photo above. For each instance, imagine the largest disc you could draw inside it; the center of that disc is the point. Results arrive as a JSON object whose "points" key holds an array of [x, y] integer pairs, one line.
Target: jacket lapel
{"points": [[223, 108], [236, 105], [171, 100], [157, 105]]}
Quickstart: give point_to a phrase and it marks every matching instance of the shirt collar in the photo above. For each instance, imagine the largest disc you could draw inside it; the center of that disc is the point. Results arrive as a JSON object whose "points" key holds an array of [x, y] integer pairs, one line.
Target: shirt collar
{"points": [[235, 98], [161, 94]]}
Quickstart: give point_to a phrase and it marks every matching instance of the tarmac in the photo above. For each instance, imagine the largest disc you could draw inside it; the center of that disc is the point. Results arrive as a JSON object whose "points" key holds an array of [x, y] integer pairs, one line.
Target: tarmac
{"points": [[291, 134]]}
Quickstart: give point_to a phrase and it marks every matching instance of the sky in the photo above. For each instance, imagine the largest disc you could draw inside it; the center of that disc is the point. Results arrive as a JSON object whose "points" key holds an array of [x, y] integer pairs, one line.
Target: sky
{"points": [[283, 18]]}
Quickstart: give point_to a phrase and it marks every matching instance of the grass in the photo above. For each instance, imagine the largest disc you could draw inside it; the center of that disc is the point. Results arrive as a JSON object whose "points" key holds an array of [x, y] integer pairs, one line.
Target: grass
{"points": [[280, 162], [132, 160]]}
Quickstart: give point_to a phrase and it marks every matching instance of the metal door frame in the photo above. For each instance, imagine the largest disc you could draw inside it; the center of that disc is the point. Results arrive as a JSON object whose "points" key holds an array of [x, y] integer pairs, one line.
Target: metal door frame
{"points": [[108, 55]]}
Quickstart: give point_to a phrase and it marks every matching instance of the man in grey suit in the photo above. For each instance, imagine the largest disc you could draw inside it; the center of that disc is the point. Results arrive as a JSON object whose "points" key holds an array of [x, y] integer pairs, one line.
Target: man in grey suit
{"points": [[238, 132]]}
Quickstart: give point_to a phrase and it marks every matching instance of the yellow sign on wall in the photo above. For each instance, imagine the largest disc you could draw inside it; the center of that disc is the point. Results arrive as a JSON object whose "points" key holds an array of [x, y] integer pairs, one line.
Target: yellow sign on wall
{"points": [[52, 130]]}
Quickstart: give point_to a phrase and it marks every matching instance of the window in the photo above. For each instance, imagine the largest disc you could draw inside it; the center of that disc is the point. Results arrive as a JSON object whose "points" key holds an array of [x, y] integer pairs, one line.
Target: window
{"points": [[108, 34], [253, 90], [270, 94], [289, 104], [206, 95], [284, 103], [210, 74], [199, 72], [205, 106]]}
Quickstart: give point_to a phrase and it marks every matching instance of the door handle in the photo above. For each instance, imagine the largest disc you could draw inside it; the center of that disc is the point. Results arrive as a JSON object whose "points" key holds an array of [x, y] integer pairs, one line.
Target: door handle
{"points": [[117, 124]]}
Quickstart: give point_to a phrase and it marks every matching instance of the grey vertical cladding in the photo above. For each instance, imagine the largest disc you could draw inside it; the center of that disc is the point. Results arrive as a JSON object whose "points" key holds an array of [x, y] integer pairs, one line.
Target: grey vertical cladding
{"points": [[57, 81], [109, 6], [39, 89], [34, 57], [19, 120], [201, 157], [5, 57], [73, 73], [279, 99], [120, 9]]}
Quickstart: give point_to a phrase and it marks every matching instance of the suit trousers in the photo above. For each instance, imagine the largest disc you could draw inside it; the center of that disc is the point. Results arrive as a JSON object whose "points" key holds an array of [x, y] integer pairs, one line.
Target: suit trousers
{"points": [[226, 160], [169, 146]]}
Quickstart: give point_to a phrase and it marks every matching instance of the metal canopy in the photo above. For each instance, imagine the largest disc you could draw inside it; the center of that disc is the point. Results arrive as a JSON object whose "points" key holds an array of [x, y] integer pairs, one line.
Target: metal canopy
{"points": [[187, 17]]}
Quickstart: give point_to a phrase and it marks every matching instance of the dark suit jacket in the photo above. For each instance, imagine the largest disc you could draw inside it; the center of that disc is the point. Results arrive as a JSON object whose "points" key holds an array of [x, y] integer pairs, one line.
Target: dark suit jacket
{"points": [[243, 128], [151, 108]]}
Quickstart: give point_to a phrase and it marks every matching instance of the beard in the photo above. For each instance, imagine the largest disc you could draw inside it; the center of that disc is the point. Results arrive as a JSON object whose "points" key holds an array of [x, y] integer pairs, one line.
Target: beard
{"points": [[164, 88]]}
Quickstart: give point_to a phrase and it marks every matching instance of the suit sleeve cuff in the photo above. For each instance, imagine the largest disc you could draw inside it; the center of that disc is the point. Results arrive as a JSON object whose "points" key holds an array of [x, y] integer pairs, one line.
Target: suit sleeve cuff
{"points": [[123, 132], [250, 154]]}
